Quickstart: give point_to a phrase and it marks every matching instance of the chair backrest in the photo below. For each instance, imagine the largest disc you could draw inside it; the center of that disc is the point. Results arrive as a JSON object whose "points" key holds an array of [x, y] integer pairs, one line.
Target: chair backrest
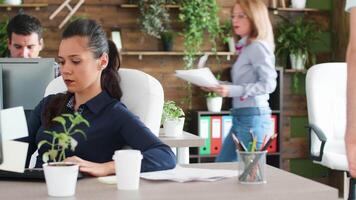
{"points": [[326, 101], [142, 94]]}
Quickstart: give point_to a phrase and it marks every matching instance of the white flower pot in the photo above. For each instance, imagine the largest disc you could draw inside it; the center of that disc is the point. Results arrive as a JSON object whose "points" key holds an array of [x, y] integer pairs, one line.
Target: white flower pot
{"points": [[298, 61], [299, 4], [214, 104], [231, 45], [173, 128], [13, 2], [61, 181]]}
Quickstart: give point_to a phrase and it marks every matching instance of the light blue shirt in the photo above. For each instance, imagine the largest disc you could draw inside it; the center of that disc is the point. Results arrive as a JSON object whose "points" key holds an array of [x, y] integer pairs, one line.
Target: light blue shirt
{"points": [[350, 4], [253, 75]]}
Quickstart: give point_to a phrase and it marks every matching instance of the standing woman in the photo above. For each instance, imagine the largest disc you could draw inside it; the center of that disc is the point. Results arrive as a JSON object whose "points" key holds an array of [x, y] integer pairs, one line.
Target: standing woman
{"points": [[253, 77], [89, 64]]}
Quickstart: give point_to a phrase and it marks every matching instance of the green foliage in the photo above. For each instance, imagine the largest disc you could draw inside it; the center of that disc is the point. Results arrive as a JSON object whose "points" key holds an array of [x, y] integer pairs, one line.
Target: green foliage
{"points": [[61, 141], [211, 95], [3, 38], [171, 111], [296, 38], [198, 17], [154, 17], [226, 31]]}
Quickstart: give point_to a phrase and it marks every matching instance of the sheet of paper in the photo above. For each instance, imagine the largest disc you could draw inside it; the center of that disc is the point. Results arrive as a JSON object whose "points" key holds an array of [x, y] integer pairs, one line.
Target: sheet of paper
{"points": [[201, 77], [13, 123], [182, 174], [14, 154]]}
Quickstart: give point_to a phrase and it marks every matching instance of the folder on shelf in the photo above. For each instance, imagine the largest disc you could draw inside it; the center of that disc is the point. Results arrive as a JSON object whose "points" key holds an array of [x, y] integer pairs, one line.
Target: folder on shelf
{"points": [[215, 135], [226, 126], [204, 132], [273, 146]]}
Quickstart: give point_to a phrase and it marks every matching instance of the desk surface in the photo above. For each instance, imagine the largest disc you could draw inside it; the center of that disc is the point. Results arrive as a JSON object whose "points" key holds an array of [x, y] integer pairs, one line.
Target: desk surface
{"points": [[185, 140], [280, 185]]}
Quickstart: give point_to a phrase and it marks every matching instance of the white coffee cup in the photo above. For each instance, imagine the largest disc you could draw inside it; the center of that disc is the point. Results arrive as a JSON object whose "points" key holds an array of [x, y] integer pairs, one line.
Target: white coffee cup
{"points": [[127, 167]]}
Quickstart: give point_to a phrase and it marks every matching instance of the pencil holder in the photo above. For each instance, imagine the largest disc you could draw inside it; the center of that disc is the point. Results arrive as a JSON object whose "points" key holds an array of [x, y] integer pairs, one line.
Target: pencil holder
{"points": [[252, 167]]}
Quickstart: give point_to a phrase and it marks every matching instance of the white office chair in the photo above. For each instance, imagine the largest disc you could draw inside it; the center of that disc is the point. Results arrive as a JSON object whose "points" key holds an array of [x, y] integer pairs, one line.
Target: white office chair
{"points": [[142, 94], [326, 101]]}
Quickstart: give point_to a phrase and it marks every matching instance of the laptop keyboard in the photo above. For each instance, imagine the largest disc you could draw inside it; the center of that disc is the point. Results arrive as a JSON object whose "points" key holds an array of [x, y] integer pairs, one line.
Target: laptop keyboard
{"points": [[35, 174]]}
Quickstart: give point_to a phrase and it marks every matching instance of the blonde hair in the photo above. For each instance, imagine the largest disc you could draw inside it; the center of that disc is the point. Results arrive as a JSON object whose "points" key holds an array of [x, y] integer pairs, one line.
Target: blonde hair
{"points": [[257, 13]]}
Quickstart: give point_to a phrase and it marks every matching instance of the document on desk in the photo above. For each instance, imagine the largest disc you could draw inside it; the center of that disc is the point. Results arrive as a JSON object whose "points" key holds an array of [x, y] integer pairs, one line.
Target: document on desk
{"points": [[182, 174], [201, 77]]}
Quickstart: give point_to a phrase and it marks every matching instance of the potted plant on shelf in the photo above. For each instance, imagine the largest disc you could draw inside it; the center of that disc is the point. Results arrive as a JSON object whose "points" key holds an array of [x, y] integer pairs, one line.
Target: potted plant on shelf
{"points": [[61, 177], [12, 2], [226, 35], [172, 119], [213, 102], [296, 39], [167, 40], [298, 4]]}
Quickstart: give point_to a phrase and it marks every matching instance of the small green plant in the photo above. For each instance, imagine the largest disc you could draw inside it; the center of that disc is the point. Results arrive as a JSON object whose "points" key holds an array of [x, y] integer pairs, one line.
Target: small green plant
{"points": [[226, 31], [3, 38], [297, 38], [171, 111], [154, 17], [211, 95], [61, 141]]}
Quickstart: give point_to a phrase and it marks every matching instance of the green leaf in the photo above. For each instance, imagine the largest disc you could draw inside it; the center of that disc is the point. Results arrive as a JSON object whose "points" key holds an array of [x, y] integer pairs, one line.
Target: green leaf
{"points": [[79, 131], [73, 144], [42, 143], [45, 157], [52, 154], [60, 120]]}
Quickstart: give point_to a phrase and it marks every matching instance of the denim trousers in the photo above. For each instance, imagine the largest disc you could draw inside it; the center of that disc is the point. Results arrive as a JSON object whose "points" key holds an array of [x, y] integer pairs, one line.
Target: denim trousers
{"points": [[255, 119]]}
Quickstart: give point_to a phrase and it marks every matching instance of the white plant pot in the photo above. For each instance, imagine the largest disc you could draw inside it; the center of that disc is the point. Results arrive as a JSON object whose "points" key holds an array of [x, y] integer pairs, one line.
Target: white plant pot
{"points": [[298, 61], [13, 2], [231, 45], [299, 4], [61, 181], [173, 128], [214, 104]]}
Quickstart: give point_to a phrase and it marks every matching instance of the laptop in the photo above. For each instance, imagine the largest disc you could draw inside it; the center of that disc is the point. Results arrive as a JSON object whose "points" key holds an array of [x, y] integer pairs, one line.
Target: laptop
{"points": [[34, 174]]}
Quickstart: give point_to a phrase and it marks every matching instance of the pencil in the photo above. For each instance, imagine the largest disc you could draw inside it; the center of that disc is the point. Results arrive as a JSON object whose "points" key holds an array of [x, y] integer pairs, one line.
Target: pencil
{"points": [[269, 142], [238, 143]]}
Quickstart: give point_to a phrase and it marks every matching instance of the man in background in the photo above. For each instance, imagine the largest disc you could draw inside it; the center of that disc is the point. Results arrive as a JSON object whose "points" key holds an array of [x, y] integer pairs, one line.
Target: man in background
{"points": [[25, 40], [24, 34]]}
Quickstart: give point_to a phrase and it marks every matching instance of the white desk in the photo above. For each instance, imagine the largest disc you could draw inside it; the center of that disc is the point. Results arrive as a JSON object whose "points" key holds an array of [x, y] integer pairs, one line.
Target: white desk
{"points": [[182, 143], [281, 185]]}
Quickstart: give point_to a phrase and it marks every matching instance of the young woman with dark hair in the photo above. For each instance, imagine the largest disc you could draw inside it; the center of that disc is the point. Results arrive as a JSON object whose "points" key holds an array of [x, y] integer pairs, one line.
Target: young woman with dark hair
{"points": [[89, 64]]}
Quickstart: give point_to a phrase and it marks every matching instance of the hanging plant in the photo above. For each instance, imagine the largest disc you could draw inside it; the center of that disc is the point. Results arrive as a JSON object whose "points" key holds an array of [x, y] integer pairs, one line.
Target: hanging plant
{"points": [[198, 17]]}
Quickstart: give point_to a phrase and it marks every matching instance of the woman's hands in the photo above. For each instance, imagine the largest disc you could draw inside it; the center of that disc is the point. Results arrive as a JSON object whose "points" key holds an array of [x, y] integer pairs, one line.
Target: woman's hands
{"points": [[221, 90], [94, 169]]}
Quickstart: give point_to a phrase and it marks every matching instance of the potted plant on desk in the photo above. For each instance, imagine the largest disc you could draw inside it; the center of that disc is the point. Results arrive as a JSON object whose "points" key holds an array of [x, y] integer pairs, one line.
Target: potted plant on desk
{"points": [[173, 119], [61, 177], [213, 102]]}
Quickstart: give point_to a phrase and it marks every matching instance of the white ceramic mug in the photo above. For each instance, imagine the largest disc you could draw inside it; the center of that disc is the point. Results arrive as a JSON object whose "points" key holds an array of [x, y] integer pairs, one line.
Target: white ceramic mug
{"points": [[127, 167]]}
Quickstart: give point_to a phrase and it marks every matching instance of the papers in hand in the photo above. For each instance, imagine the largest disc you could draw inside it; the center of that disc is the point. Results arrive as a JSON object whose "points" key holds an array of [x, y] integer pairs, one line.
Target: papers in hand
{"points": [[181, 174], [202, 77]]}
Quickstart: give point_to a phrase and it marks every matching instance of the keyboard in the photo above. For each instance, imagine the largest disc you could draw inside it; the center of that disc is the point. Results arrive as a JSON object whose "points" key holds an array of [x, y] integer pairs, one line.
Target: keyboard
{"points": [[35, 174]]}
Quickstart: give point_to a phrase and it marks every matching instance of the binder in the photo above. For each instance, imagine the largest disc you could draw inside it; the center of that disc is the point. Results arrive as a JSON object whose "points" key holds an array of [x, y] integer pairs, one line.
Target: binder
{"points": [[226, 126], [273, 146], [215, 134], [204, 132]]}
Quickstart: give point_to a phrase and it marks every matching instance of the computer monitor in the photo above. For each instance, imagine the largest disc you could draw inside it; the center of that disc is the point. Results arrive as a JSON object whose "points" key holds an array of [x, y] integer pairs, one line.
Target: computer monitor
{"points": [[24, 80]]}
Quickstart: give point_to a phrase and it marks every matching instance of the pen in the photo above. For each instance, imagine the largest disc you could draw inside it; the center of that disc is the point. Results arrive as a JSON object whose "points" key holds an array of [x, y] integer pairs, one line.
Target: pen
{"points": [[234, 138], [236, 141], [269, 142]]}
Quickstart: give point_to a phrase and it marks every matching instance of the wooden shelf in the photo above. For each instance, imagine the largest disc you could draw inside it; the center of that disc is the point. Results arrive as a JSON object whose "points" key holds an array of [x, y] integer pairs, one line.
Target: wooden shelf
{"points": [[276, 10], [140, 54], [295, 71], [135, 6], [36, 6]]}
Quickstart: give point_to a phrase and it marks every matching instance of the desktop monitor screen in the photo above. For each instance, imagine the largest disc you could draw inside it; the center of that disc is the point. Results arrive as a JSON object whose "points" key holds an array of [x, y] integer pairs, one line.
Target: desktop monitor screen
{"points": [[24, 80]]}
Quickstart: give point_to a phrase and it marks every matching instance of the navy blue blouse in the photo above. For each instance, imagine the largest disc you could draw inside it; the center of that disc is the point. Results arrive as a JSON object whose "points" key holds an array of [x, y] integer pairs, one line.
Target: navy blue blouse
{"points": [[112, 127]]}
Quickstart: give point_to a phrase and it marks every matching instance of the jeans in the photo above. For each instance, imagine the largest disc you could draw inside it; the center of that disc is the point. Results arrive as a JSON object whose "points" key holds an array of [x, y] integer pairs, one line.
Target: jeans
{"points": [[256, 119]]}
